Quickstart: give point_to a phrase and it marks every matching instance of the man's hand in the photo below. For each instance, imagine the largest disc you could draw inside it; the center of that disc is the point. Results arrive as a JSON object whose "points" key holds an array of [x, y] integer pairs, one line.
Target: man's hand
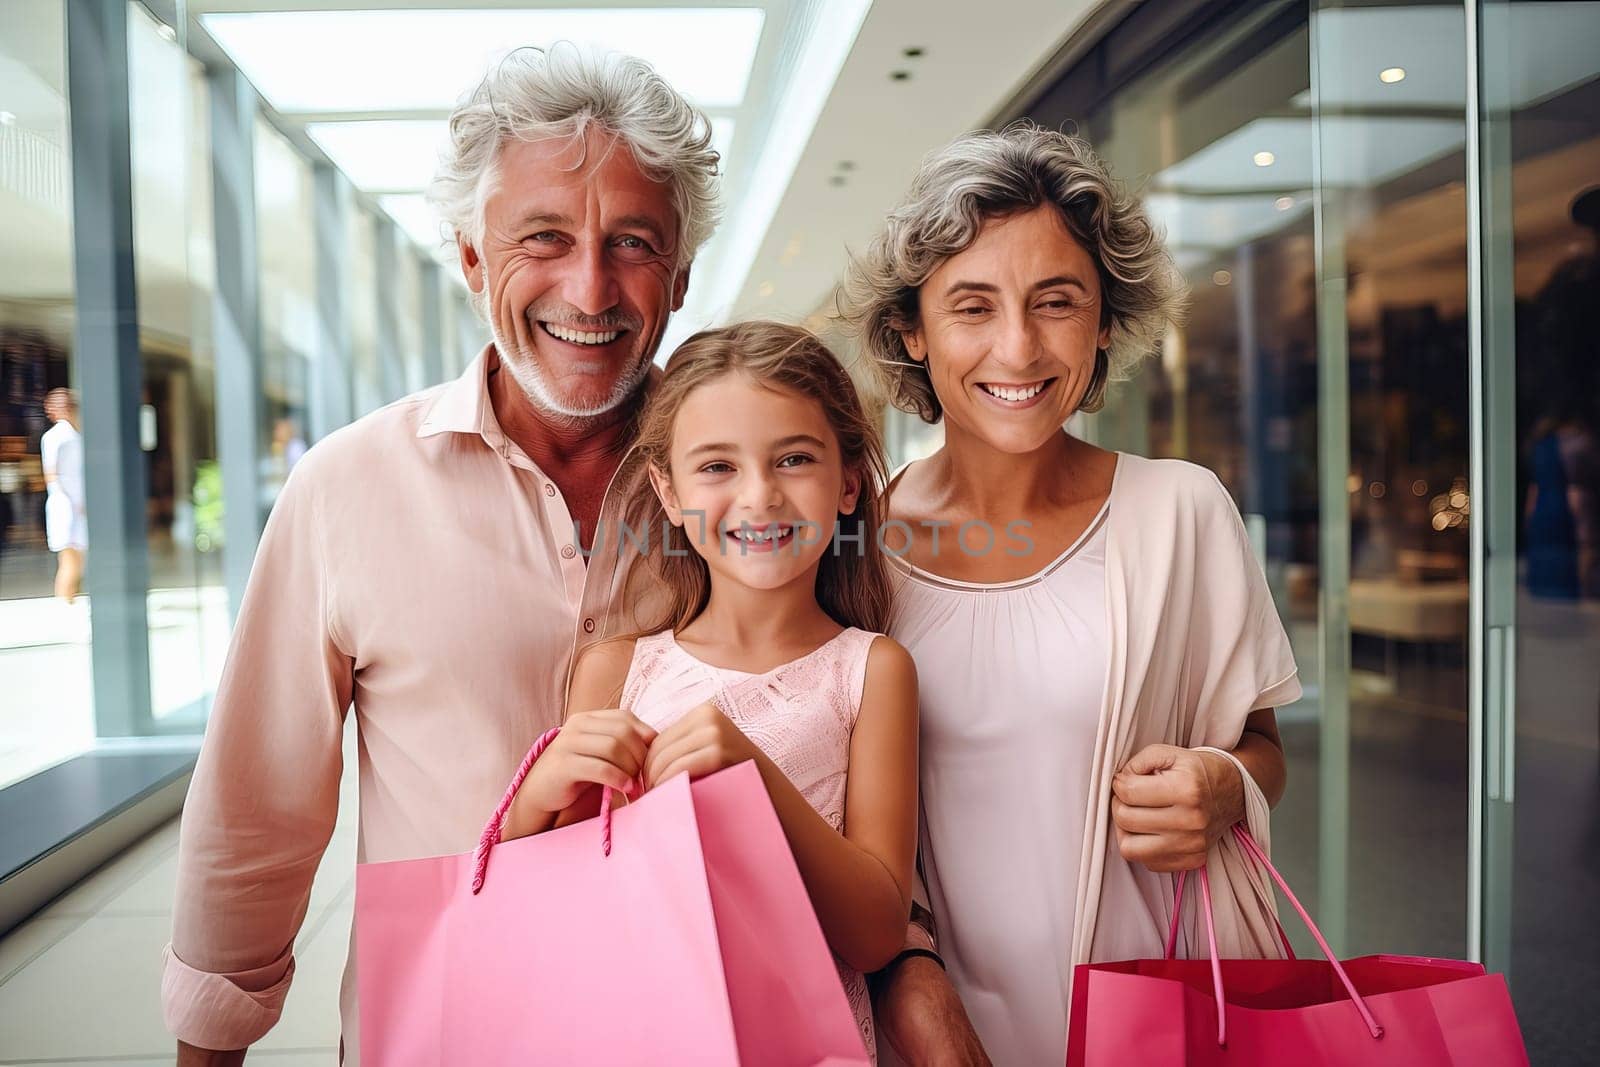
{"points": [[701, 743], [1171, 805], [922, 1017], [606, 747]]}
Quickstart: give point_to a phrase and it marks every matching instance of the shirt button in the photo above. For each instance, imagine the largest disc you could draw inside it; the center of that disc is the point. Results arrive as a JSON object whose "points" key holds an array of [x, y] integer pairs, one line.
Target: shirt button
{"points": [[567, 552], [588, 626], [549, 490]]}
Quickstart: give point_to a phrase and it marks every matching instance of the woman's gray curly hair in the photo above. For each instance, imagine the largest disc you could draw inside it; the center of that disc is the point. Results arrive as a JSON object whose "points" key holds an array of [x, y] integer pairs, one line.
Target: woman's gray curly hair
{"points": [[561, 91], [988, 175]]}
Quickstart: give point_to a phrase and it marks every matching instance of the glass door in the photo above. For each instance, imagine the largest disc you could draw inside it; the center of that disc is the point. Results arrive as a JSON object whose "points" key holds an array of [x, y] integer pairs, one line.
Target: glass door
{"points": [[1537, 434]]}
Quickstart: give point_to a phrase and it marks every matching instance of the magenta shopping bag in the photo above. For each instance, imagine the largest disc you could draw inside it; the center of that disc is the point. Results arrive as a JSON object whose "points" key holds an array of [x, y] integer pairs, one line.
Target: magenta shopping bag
{"points": [[1379, 1010], [692, 940]]}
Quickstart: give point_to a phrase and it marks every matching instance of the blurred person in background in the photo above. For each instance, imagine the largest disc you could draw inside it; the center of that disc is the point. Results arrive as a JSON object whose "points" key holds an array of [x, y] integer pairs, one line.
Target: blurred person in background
{"points": [[66, 522]]}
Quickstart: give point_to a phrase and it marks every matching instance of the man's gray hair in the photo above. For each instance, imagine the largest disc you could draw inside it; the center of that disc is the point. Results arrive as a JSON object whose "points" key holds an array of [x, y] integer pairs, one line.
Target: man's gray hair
{"points": [[562, 91], [990, 175]]}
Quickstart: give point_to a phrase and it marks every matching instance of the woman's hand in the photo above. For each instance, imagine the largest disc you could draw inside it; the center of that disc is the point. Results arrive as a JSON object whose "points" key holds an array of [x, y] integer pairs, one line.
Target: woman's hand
{"points": [[701, 743], [606, 747], [1171, 804]]}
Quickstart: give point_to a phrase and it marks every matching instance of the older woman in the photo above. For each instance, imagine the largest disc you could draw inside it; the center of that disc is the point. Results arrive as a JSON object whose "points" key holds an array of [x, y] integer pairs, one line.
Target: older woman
{"points": [[1098, 651]]}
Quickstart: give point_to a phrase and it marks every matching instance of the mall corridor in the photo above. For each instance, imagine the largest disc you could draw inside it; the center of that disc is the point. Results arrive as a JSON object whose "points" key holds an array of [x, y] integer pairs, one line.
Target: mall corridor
{"points": [[223, 245]]}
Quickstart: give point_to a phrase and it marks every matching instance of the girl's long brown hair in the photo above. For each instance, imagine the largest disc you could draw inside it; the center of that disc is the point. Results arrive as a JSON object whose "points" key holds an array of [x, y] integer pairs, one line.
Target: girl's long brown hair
{"points": [[853, 580]]}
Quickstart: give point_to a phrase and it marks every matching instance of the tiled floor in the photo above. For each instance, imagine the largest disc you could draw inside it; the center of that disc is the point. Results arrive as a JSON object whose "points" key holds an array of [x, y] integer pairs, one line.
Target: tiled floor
{"points": [[80, 982]]}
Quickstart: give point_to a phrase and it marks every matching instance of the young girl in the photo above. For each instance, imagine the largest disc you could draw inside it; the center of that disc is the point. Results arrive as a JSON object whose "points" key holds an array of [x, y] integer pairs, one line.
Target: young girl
{"points": [[769, 648]]}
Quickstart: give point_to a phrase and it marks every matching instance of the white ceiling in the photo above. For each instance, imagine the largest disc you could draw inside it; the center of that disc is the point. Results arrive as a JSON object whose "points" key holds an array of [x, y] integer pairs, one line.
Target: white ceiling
{"points": [[405, 60], [881, 128], [373, 88], [820, 141]]}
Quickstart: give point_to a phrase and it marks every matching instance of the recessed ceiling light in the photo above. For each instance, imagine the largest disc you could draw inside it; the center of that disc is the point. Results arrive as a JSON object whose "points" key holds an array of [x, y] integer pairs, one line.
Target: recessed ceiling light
{"points": [[847, 164], [1390, 75], [1265, 159], [766, 290], [837, 179], [1222, 277], [7, 119], [166, 33], [899, 75], [1283, 203], [911, 53]]}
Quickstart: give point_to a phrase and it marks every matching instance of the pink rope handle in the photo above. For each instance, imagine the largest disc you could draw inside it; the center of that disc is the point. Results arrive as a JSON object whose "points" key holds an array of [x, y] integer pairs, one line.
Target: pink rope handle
{"points": [[1253, 850], [497, 822], [1211, 937], [1177, 914], [1248, 843]]}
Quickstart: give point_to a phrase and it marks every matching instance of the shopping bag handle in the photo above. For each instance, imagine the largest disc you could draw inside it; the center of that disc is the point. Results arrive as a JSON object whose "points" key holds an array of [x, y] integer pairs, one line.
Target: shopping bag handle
{"points": [[1253, 850], [497, 822], [1177, 914]]}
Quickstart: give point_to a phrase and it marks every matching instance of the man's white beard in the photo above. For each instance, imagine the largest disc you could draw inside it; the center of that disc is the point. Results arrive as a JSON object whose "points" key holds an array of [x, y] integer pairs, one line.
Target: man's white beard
{"points": [[524, 367]]}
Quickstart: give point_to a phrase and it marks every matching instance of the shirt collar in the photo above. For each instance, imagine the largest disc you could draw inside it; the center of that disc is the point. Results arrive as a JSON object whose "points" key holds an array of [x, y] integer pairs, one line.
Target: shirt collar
{"points": [[461, 405]]}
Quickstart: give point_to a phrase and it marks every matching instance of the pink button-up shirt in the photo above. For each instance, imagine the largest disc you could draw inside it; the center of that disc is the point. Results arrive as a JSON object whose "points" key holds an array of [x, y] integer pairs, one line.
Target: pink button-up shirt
{"points": [[421, 570]]}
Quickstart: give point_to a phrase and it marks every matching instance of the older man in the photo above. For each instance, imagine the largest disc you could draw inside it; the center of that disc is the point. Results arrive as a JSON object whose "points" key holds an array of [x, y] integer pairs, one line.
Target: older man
{"points": [[426, 565]]}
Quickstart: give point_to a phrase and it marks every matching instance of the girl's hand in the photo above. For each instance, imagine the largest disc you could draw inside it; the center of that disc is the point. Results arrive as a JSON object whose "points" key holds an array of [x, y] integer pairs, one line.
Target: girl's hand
{"points": [[606, 747], [1171, 804], [701, 743]]}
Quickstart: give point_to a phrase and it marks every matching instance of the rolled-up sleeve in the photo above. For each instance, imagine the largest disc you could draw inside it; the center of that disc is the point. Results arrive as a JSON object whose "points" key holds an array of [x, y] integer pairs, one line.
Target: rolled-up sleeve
{"points": [[265, 793]]}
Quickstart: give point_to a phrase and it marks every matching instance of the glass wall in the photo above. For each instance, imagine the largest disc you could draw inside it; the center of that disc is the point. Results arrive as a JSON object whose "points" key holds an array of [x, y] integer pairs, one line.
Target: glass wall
{"points": [[1541, 78], [287, 244], [173, 269], [408, 322], [48, 710], [362, 303], [1377, 299], [470, 332], [1329, 393], [47, 655]]}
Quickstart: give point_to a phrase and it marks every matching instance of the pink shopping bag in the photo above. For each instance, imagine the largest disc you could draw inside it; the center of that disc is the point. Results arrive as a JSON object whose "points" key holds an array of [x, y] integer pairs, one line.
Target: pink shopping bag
{"points": [[1378, 1010], [673, 930]]}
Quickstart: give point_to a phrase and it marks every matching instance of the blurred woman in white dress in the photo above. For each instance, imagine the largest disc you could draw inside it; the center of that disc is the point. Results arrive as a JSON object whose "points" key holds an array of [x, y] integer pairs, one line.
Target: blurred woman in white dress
{"points": [[66, 525]]}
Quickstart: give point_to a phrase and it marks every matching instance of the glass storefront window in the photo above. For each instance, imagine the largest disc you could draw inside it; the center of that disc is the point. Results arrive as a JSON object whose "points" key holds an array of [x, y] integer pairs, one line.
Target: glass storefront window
{"points": [[409, 279], [1541, 64], [471, 333], [48, 710], [287, 246], [361, 300], [1326, 384], [171, 161]]}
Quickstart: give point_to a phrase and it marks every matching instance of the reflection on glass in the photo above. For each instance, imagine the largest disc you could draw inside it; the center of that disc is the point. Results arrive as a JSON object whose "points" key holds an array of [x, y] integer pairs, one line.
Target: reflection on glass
{"points": [[287, 247], [1224, 142], [1553, 72], [408, 280], [1395, 190], [361, 300], [186, 605], [47, 712]]}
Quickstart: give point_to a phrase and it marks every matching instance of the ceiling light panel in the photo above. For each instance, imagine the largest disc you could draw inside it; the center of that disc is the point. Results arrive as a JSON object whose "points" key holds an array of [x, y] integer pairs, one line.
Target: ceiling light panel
{"points": [[390, 155], [401, 155], [392, 60]]}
